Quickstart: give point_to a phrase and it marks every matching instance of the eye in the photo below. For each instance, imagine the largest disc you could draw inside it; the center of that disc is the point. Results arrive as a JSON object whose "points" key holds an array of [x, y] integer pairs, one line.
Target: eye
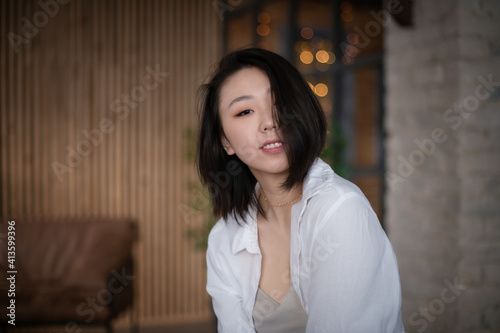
{"points": [[244, 113]]}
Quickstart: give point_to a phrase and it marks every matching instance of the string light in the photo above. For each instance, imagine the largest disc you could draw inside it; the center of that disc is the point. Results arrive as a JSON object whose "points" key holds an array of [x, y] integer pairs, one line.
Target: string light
{"points": [[306, 57], [264, 18], [321, 89], [322, 56], [263, 29], [307, 33], [331, 58], [346, 8]]}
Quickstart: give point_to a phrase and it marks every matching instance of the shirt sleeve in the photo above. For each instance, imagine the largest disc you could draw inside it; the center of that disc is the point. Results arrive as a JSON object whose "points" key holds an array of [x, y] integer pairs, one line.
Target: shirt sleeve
{"points": [[226, 302], [353, 277]]}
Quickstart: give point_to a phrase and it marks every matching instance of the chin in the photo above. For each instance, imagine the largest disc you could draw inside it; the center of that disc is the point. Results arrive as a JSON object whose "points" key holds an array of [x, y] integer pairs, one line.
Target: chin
{"points": [[274, 167]]}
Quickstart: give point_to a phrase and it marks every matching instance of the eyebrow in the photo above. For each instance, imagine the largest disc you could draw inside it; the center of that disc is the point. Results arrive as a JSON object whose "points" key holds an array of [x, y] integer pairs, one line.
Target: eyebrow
{"points": [[239, 99], [245, 97]]}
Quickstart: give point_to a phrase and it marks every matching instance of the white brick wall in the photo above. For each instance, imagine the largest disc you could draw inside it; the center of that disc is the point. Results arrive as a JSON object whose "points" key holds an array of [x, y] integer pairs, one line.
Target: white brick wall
{"points": [[443, 204]]}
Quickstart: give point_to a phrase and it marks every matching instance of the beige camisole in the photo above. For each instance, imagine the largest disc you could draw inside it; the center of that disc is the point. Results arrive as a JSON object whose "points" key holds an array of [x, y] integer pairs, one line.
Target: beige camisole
{"points": [[269, 316]]}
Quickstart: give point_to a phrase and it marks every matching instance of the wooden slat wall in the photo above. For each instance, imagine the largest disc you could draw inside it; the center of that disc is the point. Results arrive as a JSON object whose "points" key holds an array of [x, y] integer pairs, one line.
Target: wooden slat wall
{"points": [[63, 81]]}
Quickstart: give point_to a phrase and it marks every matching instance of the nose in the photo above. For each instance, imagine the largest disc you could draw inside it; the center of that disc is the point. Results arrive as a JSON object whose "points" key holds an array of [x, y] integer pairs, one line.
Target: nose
{"points": [[268, 122], [270, 127]]}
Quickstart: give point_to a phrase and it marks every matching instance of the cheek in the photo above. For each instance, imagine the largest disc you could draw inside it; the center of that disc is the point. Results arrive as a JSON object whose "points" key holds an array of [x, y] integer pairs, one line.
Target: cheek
{"points": [[234, 133], [246, 153], [243, 143]]}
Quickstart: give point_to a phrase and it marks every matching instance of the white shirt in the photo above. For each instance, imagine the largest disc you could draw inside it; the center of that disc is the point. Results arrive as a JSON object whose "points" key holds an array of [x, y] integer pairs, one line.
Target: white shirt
{"points": [[342, 265]]}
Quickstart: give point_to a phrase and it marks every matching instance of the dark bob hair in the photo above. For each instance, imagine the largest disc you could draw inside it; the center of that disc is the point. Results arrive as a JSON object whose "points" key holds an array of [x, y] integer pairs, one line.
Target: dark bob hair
{"points": [[297, 114]]}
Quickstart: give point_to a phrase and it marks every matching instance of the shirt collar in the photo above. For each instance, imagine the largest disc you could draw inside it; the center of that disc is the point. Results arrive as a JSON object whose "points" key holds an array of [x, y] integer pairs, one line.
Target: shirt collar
{"points": [[245, 237], [319, 178]]}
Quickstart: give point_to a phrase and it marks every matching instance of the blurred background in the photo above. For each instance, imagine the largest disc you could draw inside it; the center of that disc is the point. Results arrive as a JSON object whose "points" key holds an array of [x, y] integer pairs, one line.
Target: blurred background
{"points": [[98, 121]]}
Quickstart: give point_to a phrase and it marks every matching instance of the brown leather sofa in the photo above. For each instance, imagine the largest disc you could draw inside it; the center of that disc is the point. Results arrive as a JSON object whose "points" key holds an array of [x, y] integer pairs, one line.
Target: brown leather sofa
{"points": [[68, 271]]}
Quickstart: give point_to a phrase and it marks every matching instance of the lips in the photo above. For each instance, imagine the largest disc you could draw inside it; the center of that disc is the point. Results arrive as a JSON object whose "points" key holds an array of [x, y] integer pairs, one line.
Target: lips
{"points": [[272, 144]]}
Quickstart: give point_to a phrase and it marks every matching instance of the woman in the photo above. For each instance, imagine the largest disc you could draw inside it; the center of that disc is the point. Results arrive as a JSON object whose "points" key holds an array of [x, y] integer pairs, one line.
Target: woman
{"points": [[297, 248]]}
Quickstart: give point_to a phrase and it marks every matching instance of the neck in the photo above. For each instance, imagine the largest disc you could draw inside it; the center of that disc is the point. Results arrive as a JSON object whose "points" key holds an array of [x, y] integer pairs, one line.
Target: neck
{"points": [[275, 201]]}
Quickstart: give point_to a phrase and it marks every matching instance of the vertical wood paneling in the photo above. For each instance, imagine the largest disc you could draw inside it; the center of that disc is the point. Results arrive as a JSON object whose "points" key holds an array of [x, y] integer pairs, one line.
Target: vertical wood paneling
{"points": [[76, 115], [63, 82], [18, 133], [169, 272], [3, 115], [10, 120]]}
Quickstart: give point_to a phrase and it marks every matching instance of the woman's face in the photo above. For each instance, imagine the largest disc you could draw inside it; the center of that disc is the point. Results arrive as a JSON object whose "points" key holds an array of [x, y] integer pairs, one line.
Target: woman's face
{"points": [[246, 106]]}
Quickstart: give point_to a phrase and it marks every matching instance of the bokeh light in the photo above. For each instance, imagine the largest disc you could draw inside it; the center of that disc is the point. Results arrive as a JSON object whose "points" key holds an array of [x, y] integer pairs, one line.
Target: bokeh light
{"points": [[307, 46], [317, 42], [306, 57], [351, 51], [331, 58], [346, 16], [304, 46], [322, 56], [346, 60], [346, 8], [263, 30], [264, 18], [352, 38], [322, 67], [321, 89], [307, 33]]}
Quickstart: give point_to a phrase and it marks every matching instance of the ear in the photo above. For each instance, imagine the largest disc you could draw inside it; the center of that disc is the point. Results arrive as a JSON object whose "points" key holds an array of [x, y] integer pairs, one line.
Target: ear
{"points": [[227, 146]]}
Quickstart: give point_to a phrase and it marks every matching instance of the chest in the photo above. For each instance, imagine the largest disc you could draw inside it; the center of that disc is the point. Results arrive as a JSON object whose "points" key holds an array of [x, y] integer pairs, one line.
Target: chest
{"points": [[275, 270]]}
